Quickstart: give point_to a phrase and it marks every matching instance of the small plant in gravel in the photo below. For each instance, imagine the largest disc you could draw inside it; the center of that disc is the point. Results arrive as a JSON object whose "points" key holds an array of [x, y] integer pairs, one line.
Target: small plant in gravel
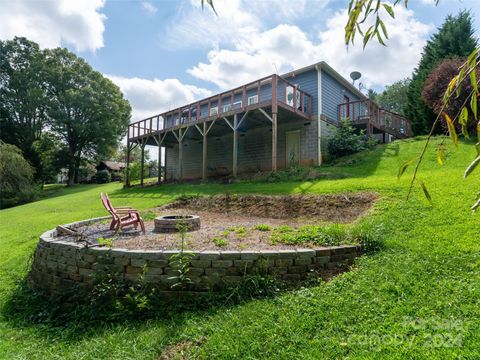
{"points": [[318, 235], [107, 242], [263, 227], [225, 233], [220, 241], [240, 231]]}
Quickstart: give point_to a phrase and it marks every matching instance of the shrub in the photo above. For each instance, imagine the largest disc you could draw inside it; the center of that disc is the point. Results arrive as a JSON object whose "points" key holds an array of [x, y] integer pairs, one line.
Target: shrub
{"points": [[346, 141], [102, 177], [436, 85], [16, 177]]}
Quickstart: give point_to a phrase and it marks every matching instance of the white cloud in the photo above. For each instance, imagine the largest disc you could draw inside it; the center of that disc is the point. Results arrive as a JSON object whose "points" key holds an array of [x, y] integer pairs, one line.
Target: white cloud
{"points": [[150, 97], [237, 20], [289, 47], [194, 27], [53, 23], [149, 7], [380, 65]]}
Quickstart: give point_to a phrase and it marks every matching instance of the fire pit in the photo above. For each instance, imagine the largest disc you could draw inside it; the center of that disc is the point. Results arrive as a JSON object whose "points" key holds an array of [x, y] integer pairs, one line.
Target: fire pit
{"points": [[173, 223]]}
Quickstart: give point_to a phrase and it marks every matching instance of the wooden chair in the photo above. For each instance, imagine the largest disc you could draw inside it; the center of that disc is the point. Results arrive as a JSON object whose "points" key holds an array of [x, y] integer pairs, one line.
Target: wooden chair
{"points": [[122, 216]]}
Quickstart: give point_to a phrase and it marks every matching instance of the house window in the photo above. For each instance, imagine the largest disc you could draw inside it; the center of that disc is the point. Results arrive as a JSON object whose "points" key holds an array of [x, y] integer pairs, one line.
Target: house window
{"points": [[214, 111], [226, 108], [252, 100]]}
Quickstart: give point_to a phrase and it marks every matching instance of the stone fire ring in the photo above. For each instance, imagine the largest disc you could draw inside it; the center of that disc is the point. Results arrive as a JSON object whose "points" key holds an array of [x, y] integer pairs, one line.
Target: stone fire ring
{"points": [[173, 223]]}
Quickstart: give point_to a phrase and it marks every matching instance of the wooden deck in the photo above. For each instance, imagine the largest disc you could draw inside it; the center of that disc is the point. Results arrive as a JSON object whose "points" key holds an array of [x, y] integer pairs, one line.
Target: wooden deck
{"points": [[269, 92], [264, 96], [367, 114]]}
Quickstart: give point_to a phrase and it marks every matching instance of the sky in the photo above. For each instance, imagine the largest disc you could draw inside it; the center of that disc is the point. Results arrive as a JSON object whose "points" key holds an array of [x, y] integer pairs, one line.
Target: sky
{"points": [[163, 54]]}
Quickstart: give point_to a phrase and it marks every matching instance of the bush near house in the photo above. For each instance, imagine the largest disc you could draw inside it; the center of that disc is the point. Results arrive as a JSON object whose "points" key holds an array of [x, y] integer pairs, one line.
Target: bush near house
{"points": [[346, 141]]}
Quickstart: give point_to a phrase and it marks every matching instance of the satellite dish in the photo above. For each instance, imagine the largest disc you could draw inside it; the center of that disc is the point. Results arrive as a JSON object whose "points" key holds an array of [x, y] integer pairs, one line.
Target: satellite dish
{"points": [[355, 75]]}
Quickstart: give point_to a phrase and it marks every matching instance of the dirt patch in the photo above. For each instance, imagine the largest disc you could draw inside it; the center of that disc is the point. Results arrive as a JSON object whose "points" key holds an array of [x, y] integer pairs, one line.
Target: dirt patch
{"points": [[341, 208], [236, 222]]}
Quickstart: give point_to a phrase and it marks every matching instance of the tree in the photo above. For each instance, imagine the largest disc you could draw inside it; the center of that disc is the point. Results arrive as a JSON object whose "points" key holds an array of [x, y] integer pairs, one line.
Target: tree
{"points": [[372, 95], [22, 96], [135, 154], [453, 39], [394, 97], [86, 110], [49, 149], [436, 85], [16, 177]]}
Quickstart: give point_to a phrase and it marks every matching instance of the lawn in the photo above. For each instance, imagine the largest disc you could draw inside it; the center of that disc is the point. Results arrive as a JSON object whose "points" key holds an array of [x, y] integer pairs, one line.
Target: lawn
{"points": [[417, 298]]}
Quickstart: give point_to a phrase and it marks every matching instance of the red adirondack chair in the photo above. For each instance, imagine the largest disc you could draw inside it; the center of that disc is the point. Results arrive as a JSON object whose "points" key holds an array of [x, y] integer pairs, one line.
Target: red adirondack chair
{"points": [[122, 216]]}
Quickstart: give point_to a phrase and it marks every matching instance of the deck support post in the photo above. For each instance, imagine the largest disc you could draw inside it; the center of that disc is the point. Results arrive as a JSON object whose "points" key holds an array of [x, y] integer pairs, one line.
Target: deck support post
{"points": [[165, 165], [142, 163], [127, 169], [180, 156], [235, 145], [204, 152], [159, 166], [274, 141]]}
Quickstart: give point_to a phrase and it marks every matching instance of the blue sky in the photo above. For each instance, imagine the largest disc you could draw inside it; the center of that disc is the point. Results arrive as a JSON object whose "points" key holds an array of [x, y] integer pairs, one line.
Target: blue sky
{"points": [[166, 53]]}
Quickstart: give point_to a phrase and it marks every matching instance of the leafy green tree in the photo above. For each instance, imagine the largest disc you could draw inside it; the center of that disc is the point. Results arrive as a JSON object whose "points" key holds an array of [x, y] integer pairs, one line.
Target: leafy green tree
{"points": [[455, 38], [86, 110], [49, 149], [372, 95], [394, 97], [16, 177], [22, 97], [135, 154]]}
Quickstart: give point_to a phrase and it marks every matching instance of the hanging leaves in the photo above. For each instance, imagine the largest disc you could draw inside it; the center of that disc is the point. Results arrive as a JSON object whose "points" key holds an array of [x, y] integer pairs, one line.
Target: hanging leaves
{"points": [[403, 168], [440, 154], [209, 2], [425, 191], [451, 129], [473, 105], [463, 120], [472, 166]]}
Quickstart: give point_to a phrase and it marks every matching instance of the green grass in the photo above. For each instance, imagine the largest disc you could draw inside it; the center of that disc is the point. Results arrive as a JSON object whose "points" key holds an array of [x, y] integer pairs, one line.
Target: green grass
{"points": [[417, 298]]}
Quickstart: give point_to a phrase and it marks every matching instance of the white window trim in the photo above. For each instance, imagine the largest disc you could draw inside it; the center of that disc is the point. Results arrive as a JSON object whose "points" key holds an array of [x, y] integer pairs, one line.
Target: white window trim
{"points": [[251, 100]]}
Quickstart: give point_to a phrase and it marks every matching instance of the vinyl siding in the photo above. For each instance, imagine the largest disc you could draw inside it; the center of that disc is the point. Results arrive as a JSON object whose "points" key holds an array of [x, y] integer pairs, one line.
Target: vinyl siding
{"points": [[332, 95]]}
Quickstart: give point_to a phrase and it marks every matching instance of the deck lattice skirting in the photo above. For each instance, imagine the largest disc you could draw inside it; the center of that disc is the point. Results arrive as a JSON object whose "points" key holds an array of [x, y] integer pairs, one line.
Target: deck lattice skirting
{"points": [[58, 265]]}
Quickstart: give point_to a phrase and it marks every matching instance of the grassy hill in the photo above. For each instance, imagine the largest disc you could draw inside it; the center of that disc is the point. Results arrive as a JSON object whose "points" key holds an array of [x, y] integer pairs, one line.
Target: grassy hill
{"points": [[417, 298]]}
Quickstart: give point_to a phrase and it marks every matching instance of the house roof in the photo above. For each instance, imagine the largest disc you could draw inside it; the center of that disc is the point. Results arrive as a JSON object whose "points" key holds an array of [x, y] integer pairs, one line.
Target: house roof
{"points": [[113, 165], [329, 70]]}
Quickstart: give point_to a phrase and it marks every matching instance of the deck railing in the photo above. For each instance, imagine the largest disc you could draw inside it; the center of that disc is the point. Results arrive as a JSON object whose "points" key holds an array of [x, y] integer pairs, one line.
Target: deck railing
{"points": [[368, 112], [271, 91]]}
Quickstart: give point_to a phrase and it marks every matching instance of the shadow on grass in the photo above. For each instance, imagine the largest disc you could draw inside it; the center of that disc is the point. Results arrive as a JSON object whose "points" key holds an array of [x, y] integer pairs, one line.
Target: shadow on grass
{"points": [[76, 314]]}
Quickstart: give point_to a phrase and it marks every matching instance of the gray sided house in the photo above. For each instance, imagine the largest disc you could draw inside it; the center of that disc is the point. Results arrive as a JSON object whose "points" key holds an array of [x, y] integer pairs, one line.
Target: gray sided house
{"points": [[271, 123]]}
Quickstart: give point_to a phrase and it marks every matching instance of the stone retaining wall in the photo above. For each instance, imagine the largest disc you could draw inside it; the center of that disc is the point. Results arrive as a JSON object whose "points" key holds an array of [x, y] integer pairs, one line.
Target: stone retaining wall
{"points": [[59, 264]]}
